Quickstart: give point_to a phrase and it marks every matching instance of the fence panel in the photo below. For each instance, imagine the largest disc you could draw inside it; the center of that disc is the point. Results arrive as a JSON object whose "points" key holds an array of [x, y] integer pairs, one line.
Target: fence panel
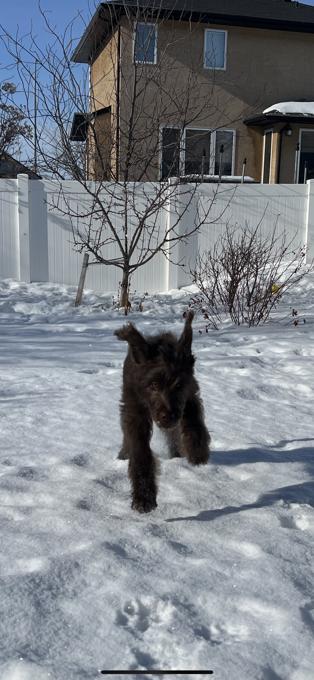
{"points": [[65, 263], [266, 205], [9, 229], [36, 233]]}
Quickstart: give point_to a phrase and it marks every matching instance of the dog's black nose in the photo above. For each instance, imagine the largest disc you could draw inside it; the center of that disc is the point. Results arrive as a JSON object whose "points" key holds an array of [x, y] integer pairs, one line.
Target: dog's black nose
{"points": [[167, 420]]}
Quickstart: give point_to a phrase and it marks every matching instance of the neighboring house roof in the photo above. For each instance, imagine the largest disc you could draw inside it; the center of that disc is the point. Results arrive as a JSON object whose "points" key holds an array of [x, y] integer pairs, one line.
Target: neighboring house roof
{"points": [[285, 15], [10, 168]]}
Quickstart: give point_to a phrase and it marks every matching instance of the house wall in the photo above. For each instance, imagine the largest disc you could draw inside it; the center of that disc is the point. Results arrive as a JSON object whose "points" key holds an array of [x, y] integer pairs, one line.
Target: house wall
{"points": [[263, 67], [103, 80]]}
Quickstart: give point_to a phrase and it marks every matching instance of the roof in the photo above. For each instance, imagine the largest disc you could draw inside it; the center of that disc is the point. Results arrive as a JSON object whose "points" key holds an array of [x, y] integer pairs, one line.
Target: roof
{"points": [[285, 15], [10, 167], [283, 112]]}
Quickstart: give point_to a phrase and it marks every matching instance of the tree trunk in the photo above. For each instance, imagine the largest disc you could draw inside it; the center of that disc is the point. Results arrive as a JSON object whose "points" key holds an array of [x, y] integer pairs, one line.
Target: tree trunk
{"points": [[124, 293], [80, 289]]}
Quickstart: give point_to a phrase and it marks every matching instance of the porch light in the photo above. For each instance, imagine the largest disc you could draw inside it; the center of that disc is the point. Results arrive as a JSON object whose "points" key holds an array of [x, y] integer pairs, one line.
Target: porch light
{"points": [[287, 130]]}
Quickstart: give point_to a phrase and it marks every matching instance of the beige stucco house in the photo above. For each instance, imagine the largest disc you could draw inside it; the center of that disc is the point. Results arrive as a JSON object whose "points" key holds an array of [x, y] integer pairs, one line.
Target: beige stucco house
{"points": [[206, 87]]}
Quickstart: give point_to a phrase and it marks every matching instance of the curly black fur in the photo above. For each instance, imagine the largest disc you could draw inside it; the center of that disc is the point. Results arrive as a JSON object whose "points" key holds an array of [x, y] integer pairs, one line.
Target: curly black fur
{"points": [[159, 386]]}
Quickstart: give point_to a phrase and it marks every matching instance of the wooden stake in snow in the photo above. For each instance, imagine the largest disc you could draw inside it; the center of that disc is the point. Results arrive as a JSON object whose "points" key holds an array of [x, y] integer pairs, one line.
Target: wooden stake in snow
{"points": [[221, 153], [243, 170], [80, 289]]}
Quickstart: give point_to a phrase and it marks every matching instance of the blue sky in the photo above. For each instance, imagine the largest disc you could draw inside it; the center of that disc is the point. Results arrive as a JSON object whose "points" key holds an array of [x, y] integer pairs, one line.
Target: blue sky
{"points": [[22, 12]]}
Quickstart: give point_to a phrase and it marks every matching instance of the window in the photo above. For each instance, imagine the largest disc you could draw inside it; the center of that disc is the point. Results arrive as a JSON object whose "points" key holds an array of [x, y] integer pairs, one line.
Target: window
{"points": [[267, 156], [145, 43], [224, 152], [197, 152], [170, 144], [208, 152], [203, 152], [215, 49]]}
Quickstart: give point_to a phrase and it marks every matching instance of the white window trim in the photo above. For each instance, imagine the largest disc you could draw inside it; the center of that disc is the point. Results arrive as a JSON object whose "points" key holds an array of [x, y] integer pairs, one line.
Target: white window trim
{"points": [[182, 150], [300, 149], [215, 68], [145, 23], [271, 153]]}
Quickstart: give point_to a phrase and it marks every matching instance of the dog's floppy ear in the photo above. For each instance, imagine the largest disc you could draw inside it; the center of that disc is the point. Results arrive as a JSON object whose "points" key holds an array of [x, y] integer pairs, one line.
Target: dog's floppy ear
{"points": [[136, 341], [185, 341]]}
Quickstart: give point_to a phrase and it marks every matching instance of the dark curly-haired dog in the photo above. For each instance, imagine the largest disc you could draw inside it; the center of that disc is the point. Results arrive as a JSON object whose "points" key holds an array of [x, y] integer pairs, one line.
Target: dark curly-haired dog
{"points": [[159, 386]]}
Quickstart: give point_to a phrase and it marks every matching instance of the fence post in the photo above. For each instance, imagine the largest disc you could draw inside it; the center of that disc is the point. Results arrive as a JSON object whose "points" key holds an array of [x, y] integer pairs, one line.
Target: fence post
{"points": [[38, 231], [310, 221], [173, 251], [181, 214], [23, 230]]}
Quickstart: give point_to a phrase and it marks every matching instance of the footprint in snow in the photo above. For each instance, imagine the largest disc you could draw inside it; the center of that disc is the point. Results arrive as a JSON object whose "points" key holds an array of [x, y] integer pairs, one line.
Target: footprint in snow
{"points": [[180, 548], [138, 615], [83, 504], [29, 473], [307, 614], [80, 460], [247, 394], [135, 615]]}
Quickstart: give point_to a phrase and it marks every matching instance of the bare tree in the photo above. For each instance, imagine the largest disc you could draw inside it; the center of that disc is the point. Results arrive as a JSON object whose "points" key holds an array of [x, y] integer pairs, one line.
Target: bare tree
{"points": [[14, 127], [129, 118]]}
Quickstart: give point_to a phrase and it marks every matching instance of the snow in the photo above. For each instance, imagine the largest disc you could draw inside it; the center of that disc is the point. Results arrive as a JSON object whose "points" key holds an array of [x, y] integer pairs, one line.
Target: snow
{"points": [[292, 108], [220, 576], [236, 179]]}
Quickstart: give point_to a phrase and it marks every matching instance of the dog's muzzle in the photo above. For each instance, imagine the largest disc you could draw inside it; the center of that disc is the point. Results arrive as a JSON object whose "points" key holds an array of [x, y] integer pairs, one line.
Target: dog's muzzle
{"points": [[167, 422]]}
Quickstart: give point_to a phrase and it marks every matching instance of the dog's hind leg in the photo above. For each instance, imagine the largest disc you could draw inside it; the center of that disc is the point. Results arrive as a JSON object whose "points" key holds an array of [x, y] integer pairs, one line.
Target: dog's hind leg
{"points": [[194, 434]]}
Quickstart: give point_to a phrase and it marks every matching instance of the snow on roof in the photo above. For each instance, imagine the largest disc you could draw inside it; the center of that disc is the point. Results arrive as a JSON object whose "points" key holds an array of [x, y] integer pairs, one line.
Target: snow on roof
{"points": [[292, 108]]}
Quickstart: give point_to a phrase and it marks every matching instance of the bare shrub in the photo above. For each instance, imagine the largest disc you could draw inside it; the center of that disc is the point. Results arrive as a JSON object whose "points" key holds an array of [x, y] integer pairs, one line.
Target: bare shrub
{"points": [[245, 276]]}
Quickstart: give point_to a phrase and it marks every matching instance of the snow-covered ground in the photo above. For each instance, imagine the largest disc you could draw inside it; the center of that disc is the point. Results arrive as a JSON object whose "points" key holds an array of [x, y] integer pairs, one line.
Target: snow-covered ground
{"points": [[220, 576]]}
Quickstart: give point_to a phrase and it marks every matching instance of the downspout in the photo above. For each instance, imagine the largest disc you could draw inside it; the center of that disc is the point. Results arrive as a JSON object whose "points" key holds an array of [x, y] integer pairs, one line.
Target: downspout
{"points": [[87, 147], [118, 79]]}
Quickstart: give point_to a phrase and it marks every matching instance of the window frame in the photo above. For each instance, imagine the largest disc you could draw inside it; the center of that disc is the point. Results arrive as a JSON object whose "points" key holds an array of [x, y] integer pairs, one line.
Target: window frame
{"points": [[145, 23], [212, 159], [215, 68]]}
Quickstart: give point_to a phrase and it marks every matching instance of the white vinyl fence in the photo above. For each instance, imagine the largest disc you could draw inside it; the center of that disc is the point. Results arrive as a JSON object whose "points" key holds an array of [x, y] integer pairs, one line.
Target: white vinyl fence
{"points": [[36, 237]]}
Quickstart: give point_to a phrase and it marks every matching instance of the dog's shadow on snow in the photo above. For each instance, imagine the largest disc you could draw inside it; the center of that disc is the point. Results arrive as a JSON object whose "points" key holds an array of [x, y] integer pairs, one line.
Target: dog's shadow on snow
{"points": [[302, 493]]}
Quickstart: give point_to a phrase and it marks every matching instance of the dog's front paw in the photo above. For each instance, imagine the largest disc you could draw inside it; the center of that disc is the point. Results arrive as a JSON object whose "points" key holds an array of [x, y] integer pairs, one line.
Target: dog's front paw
{"points": [[198, 456], [197, 447], [144, 504], [123, 454]]}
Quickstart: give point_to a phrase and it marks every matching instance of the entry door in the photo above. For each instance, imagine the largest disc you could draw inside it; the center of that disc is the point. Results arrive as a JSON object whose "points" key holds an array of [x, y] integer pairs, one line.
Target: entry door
{"points": [[306, 155]]}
